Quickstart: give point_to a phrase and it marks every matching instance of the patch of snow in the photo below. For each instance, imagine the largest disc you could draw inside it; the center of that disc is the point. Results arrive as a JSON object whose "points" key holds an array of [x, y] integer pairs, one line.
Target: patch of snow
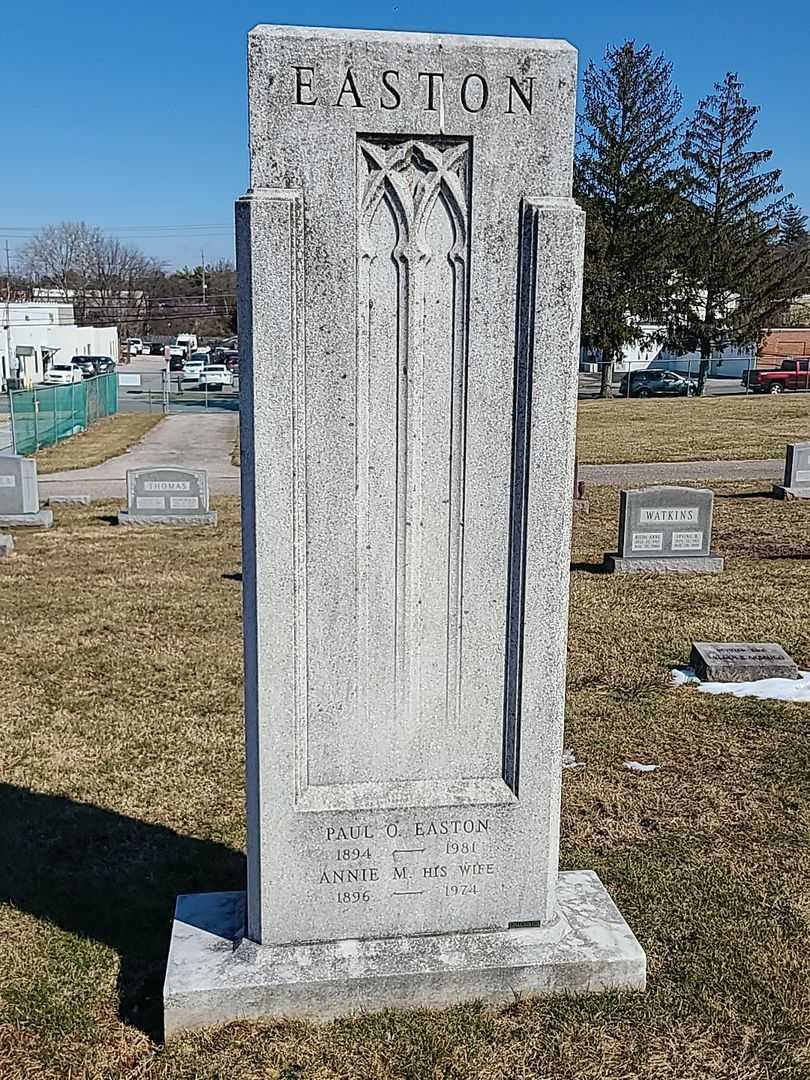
{"points": [[682, 676], [764, 689], [636, 766]]}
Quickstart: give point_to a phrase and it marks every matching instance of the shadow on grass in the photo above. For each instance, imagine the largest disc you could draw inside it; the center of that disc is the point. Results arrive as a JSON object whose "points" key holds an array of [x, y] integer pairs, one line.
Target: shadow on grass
{"points": [[589, 567], [110, 878], [237, 576], [734, 495], [107, 519]]}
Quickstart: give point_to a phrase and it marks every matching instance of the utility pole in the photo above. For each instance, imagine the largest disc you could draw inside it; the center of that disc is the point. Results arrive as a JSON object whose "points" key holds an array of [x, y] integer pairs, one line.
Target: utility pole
{"points": [[8, 315], [202, 257]]}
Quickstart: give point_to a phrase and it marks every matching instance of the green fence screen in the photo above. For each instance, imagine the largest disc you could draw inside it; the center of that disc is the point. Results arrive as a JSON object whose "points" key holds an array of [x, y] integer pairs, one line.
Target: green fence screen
{"points": [[44, 415]]}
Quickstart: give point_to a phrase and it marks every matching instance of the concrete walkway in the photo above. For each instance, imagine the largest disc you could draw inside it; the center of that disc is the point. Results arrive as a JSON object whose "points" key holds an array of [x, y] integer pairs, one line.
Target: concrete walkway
{"points": [[673, 472], [192, 441], [205, 441]]}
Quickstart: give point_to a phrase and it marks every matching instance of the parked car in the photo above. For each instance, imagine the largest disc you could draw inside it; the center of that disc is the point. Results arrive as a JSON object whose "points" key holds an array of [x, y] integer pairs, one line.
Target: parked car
{"points": [[177, 350], [176, 363], [156, 348], [655, 383], [135, 346], [215, 376], [230, 359], [191, 370], [63, 374], [94, 365], [86, 364], [793, 374]]}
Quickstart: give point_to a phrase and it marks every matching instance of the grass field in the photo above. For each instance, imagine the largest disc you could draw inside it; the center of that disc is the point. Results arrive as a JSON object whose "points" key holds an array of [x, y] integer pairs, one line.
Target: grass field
{"points": [[105, 439], [121, 766], [691, 429]]}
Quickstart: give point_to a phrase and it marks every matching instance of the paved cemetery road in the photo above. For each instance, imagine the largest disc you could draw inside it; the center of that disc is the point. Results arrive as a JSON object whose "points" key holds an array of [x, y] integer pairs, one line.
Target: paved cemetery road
{"points": [[191, 441], [672, 472]]}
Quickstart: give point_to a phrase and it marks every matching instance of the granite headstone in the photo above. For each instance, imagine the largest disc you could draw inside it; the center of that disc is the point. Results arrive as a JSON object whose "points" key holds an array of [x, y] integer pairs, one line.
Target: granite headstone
{"points": [[797, 473], [6, 544], [167, 496], [665, 530], [19, 494], [741, 661], [404, 725]]}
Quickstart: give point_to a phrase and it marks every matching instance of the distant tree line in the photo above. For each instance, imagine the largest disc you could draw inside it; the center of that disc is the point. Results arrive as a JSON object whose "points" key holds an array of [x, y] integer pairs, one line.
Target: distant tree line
{"points": [[688, 230], [109, 282]]}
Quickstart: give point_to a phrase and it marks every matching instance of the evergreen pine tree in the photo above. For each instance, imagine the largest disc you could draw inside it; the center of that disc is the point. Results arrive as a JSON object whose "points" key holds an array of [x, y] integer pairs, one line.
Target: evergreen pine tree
{"points": [[735, 277], [793, 227], [627, 180]]}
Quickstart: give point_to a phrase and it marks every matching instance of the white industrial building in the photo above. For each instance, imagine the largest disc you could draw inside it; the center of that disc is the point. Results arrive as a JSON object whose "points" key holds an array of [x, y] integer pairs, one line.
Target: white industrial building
{"points": [[727, 363], [35, 335]]}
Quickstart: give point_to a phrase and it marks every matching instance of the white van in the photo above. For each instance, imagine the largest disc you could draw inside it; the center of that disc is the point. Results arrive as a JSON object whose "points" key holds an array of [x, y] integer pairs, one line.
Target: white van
{"points": [[187, 342]]}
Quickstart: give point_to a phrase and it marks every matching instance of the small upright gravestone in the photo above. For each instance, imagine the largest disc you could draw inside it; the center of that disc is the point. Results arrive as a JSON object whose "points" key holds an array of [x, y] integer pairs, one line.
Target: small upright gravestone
{"points": [[741, 661], [407, 467], [167, 496], [797, 473], [19, 494], [6, 544], [665, 530]]}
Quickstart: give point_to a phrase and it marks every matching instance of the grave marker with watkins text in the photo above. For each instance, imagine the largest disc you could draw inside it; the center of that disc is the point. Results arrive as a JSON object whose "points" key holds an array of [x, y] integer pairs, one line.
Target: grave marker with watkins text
{"points": [[665, 530], [410, 268]]}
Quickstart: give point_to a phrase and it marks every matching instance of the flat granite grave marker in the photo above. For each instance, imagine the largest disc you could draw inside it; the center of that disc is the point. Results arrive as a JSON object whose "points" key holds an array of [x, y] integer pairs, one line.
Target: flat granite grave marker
{"points": [[741, 661], [797, 473], [665, 530], [167, 496], [19, 494], [410, 265]]}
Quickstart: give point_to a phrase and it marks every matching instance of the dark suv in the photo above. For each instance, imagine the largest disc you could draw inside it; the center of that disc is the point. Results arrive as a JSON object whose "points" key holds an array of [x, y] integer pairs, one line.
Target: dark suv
{"points": [[651, 383]]}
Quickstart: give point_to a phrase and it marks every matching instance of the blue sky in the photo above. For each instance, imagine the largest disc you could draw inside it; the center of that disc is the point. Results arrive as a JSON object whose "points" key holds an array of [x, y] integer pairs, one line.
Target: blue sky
{"points": [[133, 116]]}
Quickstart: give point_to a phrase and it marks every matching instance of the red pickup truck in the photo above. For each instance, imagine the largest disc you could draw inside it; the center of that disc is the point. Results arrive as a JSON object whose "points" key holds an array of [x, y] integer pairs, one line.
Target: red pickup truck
{"points": [[794, 374]]}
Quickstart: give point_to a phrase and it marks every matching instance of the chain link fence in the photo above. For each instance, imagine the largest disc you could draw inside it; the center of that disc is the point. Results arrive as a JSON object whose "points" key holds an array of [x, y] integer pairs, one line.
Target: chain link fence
{"points": [[45, 414]]}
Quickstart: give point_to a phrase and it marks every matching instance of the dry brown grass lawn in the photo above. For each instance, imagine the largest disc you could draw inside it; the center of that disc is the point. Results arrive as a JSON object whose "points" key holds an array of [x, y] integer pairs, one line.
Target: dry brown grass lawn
{"points": [[121, 762], [105, 439], [691, 429]]}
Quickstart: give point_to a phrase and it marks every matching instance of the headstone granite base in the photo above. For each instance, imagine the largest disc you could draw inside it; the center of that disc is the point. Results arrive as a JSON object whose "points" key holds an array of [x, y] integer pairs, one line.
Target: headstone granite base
{"points": [[782, 492], [699, 564], [215, 975], [41, 519], [69, 501], [6, 545], [206, 517]]}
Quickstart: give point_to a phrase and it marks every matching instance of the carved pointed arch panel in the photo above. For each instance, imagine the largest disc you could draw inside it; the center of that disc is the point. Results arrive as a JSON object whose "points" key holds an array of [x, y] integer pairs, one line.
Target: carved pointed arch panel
{"points": [[413, 266]]}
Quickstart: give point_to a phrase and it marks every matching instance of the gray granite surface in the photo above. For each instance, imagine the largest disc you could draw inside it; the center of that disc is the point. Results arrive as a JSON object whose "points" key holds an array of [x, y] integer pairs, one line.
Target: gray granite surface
{"points": [[41, 519], [741, 661], [700, 564], [215, 975], [18, 486]]}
